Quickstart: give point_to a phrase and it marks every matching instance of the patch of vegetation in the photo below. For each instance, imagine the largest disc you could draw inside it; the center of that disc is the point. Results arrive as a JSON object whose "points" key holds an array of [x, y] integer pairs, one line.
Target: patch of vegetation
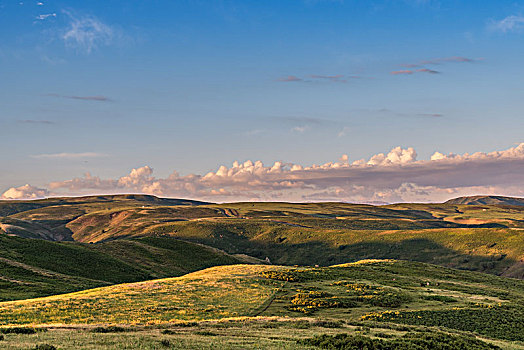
{"points": [[328, 324], [442, 298], [109, 329], [309, 301], [45, 347], [410, 341], [375, 295], [18, 330], [206, 333], [499, 322]]}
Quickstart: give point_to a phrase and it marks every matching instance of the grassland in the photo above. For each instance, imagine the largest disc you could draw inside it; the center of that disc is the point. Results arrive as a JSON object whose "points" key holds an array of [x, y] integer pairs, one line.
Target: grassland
{"points": [[272, 307], [32, 267]]}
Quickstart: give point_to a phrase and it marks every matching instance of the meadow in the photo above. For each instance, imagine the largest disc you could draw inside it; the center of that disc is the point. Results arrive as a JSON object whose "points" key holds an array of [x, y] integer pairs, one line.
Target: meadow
{"points": [[279, 306]]}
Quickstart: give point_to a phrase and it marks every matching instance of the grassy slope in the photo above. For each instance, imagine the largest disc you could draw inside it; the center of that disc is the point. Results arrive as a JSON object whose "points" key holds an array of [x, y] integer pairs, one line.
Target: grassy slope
{"points": [[349, 296], [33, 267]]}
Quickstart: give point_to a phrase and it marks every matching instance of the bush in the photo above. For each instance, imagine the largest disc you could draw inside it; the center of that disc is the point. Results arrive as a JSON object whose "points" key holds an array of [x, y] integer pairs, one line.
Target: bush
{"points": [[207, 333], [2, 337], [165, 342], [109, 329], [18, 330], [328, 324], [44, 347]]}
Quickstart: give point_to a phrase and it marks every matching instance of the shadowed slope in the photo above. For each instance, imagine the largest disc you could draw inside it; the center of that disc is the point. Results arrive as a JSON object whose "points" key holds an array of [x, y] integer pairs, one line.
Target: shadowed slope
{"points": [[31, 267]]}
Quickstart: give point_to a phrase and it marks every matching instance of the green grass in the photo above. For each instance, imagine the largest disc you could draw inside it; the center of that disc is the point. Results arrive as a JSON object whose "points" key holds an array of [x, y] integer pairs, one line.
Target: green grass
{"points": [[33, 267], [374, 294]]}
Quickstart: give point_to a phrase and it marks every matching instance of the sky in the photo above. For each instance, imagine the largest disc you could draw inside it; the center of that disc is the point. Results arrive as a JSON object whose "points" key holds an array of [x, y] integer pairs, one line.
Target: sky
{"points": [[289, 100]]}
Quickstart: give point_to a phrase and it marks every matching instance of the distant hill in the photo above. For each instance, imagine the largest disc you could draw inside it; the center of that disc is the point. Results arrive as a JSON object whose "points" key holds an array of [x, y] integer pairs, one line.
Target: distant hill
{"points": [[9, 207], [486, 200], [485, 238]]}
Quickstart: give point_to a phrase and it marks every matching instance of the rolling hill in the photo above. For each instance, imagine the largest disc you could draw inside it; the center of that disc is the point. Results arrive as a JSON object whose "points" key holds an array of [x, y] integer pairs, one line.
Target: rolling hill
{"points": [[377, 301], [486, 238], [486, 200], [31, 268]]}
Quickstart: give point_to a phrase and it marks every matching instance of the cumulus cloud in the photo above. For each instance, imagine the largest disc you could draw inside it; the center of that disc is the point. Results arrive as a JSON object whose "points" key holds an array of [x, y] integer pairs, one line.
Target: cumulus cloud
{"points": [[385, 177], [86, 33], [25, 192], [509, 24]]}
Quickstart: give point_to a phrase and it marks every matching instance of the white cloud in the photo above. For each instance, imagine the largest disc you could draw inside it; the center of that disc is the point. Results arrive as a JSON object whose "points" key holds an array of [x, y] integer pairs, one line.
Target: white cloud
{"points": [[45, 16], [384, 177], [509, 24], [25, 192], [300, 128], [69, 155], [87, 33]]}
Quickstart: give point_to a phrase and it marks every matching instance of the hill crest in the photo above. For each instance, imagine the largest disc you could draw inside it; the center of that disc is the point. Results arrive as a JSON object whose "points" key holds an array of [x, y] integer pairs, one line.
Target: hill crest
{"points": [[486, 200]]}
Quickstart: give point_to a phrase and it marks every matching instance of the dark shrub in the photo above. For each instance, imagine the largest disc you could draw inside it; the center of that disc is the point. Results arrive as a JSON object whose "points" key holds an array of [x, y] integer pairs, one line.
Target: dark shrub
{"points": [[165, 342], [18, 330], [44, 347], [109, 329]]}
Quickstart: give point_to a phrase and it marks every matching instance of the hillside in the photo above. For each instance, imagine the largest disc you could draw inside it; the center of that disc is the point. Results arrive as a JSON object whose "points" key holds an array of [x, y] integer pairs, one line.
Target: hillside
{"points": [[32, 268], [486, 200], [285, 307], [485, 238]]}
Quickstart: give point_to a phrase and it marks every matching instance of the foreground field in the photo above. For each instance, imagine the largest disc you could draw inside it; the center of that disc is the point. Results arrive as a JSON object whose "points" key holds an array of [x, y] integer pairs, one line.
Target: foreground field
{"points": [[237, 306]]}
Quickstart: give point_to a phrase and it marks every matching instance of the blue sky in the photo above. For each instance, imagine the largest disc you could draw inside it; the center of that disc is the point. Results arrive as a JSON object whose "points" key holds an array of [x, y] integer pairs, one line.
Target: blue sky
{"points": [[107, 87]]}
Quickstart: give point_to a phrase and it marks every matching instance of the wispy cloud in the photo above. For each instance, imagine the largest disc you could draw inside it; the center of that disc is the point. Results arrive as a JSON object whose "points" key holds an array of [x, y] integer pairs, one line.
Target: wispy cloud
{"points": [[337, 78], [86, 33], [426, 70], [403, 71], [45, 16], [300, 128], [412, 71], [420, 67], [66, 155], [99, 98], [34, 121], [512, 23], [289, 78], [436, 61], [431, 115], [90, 98], [343, 132]]}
